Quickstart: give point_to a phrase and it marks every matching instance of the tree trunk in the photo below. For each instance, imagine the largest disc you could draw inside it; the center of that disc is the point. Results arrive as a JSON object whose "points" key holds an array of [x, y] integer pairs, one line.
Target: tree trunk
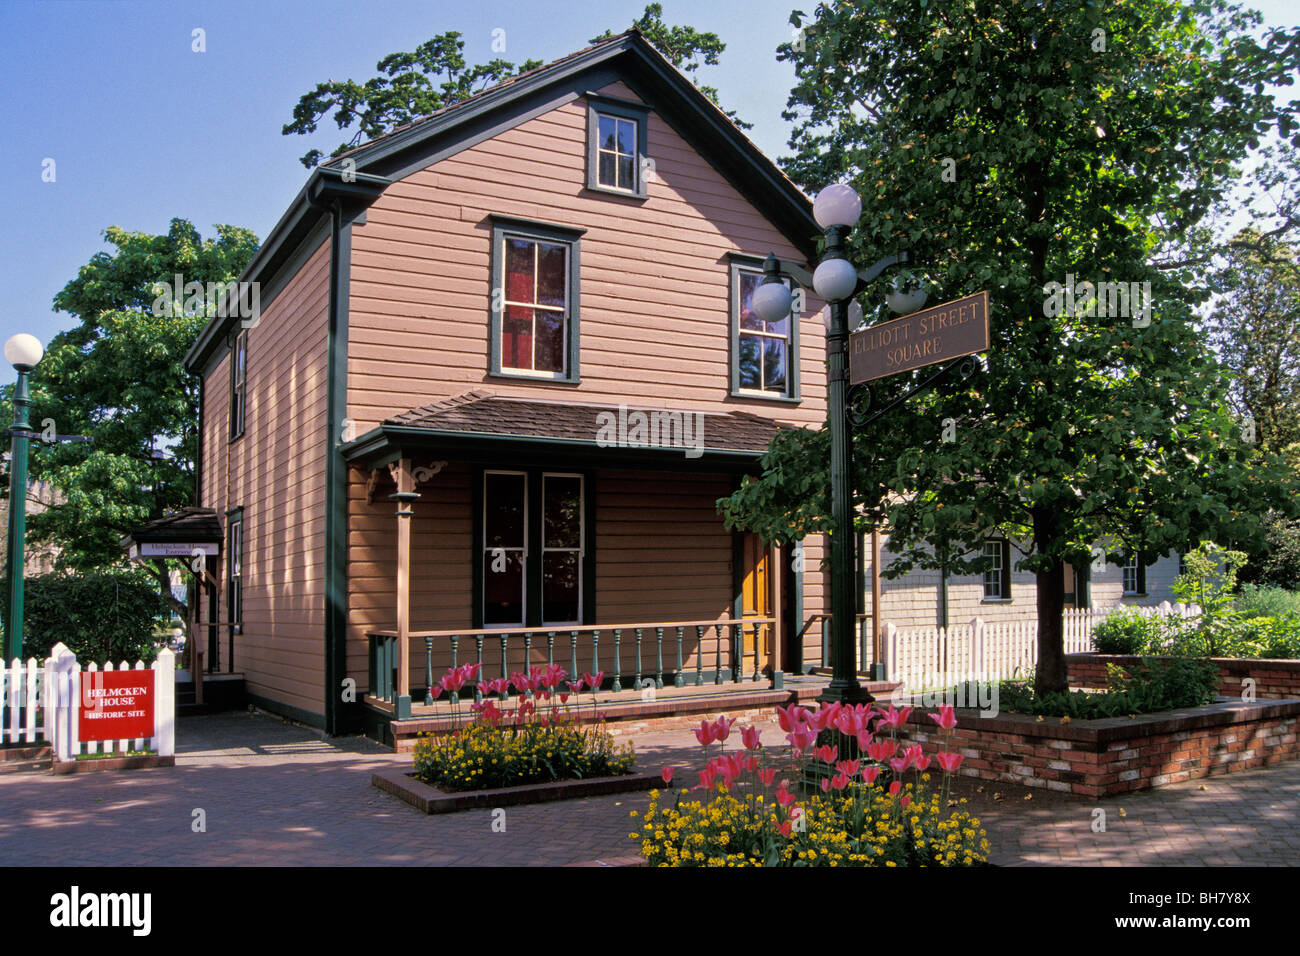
{"points": [[1050, 675]]}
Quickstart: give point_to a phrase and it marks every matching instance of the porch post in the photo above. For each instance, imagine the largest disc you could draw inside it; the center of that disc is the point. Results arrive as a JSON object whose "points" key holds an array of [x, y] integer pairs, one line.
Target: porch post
{"points": [[877, 657], [778, 628], [404, 497]]}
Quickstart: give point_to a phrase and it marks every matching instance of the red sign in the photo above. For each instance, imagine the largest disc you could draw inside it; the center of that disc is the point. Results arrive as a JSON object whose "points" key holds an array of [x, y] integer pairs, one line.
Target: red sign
{"points": [[116, 705]]}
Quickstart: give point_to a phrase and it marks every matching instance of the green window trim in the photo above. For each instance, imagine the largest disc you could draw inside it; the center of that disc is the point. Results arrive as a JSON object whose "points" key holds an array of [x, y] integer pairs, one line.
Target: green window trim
{"points": [[507, 226], [619, 110], [235, 568], [238, 383], [739, 265]]}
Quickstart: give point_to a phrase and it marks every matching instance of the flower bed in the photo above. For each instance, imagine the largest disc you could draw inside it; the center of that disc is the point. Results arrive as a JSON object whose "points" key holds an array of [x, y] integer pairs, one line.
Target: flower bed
{"points": [[520, 745], [1100, 758], [1278, 679], [867, 813]]}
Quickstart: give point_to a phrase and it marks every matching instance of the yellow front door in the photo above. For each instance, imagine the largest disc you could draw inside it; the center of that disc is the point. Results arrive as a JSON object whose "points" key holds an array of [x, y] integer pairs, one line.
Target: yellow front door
{"points": [[757, 594]]}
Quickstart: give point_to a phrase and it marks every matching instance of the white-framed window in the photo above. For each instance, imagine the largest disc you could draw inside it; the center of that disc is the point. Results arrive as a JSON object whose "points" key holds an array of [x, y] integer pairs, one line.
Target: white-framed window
{"points": [[1134, 574], [238, 382], [765, 354], [617, 160], [997, 569], [534, 314]]}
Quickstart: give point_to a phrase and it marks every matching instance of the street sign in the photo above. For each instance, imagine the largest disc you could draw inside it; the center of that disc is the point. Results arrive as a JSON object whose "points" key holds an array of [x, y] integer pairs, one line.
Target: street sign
{"points": [[936, 334]]}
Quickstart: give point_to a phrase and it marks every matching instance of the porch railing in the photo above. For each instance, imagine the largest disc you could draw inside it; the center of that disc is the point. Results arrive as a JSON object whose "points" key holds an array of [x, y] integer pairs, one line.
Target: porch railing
{"points": [[682, 653]]}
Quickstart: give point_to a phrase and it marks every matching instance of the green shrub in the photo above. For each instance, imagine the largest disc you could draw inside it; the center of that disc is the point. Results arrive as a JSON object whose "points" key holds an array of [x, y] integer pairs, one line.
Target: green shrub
{"points": [[100, 616], [1153, 685], [1127, 631], [1256, 601]]}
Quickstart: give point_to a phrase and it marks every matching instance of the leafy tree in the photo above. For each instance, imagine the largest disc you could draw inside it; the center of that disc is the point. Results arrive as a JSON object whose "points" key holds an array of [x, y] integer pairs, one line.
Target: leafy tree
{"points": [[685, 47], [1255, 329], [117, 378], [100, 616], [1008, 146], [436, 75]]}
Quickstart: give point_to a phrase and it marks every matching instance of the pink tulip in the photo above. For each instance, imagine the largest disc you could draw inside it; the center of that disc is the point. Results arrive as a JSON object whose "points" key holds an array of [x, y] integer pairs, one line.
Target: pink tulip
{"points": [[826, 784], [436, 691], [881, 750], [894, 788], [870, 773], [667, 774], [576, 686], [792, 718], [900, 764], [704, 733], [472, 671], [913, 753], [949, 762], [708, 778], [826, 753], [840, 781], [722, 728], [896, 718], [905, 800], [848, 767], [783, 794], [922, 763], [749, 736], [785, 828], [864, 739], [801, 740], [767, 774], [946, 717], [594, 680]]}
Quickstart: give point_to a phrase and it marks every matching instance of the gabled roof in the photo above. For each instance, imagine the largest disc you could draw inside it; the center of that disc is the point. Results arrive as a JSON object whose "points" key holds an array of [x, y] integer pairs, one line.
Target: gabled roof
{"points": [[628, 57]]}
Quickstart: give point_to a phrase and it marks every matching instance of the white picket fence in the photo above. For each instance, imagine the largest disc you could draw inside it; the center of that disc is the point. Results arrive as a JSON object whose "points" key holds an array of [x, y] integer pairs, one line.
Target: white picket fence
{"points": [[40, 704], [932, 658]]}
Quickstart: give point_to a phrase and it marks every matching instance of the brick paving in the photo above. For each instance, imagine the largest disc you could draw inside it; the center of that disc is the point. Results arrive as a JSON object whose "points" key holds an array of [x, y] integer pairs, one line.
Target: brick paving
{"points": [[276, 794]]}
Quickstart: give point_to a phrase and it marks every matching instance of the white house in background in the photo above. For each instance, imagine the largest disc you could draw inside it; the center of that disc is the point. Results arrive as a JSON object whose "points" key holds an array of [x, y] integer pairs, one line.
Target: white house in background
{"points": [[924, 598]]}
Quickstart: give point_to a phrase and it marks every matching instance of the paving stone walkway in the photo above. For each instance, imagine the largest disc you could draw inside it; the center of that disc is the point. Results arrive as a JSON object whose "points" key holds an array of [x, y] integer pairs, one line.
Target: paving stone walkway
{"points": [[275, 794]]}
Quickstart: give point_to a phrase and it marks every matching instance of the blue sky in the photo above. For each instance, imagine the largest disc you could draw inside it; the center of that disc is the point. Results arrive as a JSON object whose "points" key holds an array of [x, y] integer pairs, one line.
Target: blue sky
{"points": [[142, 129]]}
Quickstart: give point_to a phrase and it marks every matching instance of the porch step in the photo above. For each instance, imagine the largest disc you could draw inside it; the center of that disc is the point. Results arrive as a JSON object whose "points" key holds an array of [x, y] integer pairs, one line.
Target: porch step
{"points": [[221, 692]]}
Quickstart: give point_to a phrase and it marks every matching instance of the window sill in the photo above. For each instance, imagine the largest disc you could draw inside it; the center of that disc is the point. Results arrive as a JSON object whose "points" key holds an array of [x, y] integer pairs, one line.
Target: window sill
{"points": [[766, 397], [235, 438], [535, 379], [996, 600], [620, 193]]}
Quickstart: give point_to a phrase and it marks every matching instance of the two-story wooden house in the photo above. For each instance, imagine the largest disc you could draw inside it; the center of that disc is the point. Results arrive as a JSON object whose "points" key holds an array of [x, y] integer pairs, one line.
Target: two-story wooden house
{"points": [[503, 370]]}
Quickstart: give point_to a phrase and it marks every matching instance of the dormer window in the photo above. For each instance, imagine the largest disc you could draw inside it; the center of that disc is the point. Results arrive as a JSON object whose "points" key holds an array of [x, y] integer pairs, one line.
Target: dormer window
{"points": [[616, 146]]}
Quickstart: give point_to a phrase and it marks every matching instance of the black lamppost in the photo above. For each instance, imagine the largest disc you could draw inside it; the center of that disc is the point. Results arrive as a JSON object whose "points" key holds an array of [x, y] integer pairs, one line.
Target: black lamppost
{"points": [[22, 351], [836, 280]]}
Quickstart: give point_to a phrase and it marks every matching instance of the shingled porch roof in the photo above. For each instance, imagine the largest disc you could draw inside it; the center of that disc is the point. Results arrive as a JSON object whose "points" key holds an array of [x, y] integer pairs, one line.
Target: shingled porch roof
{"points": [[476, 424]]}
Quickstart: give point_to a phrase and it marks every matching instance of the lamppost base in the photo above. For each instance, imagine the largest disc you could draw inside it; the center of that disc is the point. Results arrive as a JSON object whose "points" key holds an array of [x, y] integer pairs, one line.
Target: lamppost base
{"points": [[845, 693]]}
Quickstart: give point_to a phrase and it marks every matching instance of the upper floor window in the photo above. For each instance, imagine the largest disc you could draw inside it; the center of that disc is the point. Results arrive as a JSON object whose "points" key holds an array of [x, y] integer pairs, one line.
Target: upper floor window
{"points": [[238, 378], [534, 300], [997, 570], [617, 160], [765, 354]]}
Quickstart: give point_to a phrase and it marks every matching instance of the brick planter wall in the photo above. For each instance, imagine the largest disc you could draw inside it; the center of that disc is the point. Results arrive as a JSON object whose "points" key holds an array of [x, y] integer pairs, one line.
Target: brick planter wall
{"points": [[1100, 758], [1274, 679]]}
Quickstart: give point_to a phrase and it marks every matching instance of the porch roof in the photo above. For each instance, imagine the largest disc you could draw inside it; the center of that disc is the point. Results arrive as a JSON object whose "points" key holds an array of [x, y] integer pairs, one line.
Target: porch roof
{"points": [[188, 524], [479, 425]]}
